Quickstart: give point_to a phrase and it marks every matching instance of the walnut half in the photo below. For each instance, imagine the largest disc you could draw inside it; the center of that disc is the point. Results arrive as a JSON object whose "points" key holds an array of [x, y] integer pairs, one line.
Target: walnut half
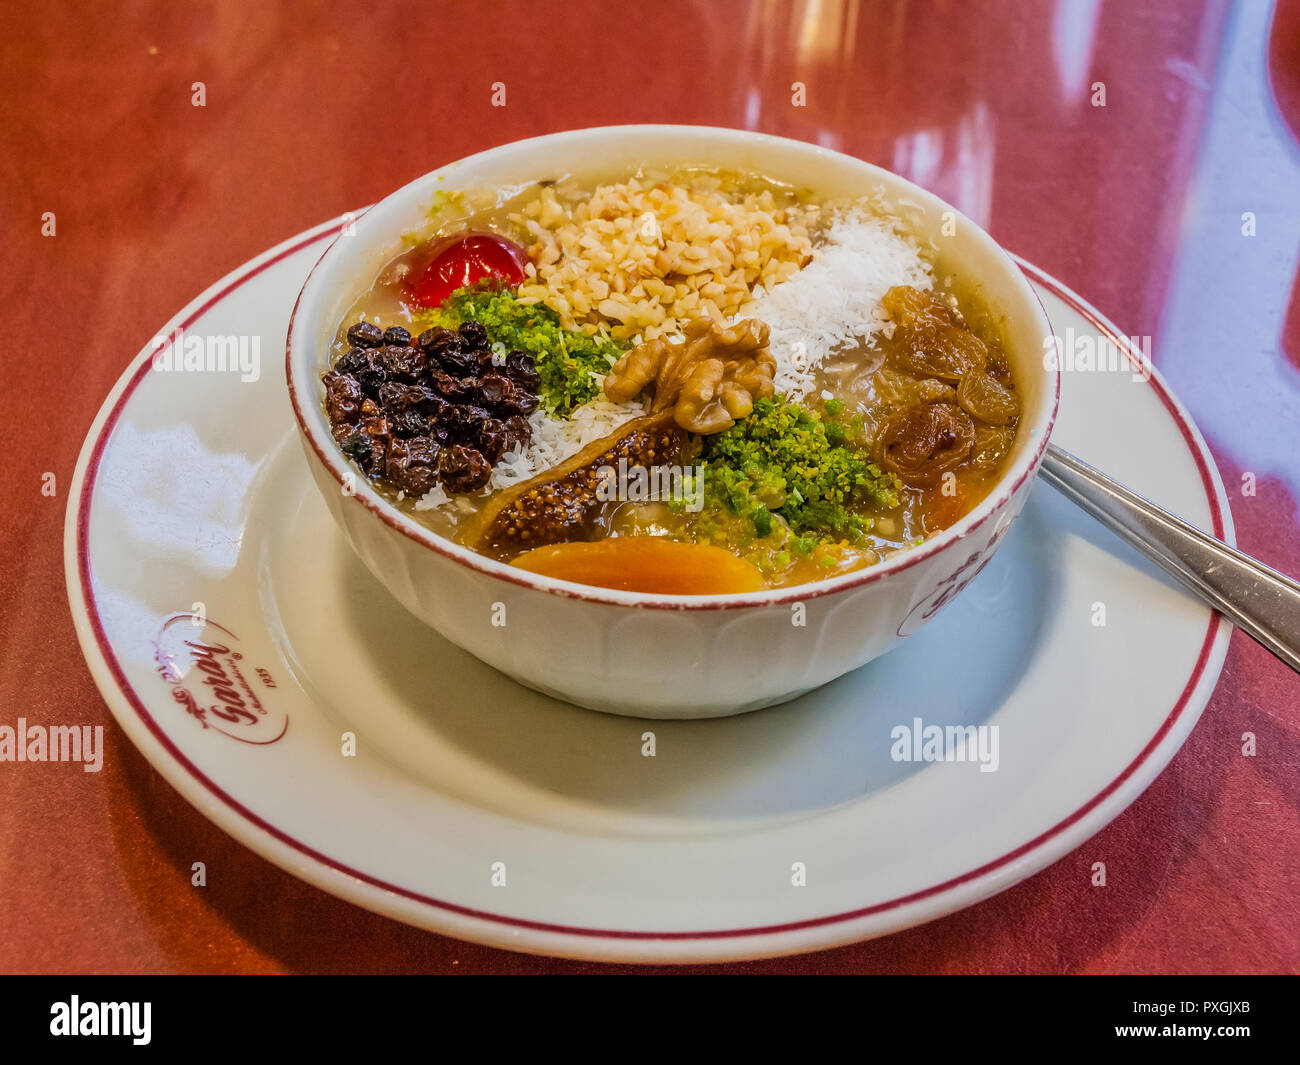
{"points": [[708, 380]]}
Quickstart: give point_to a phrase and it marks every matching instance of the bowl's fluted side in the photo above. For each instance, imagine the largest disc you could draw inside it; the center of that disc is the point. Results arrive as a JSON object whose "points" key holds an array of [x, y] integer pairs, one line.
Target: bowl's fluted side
{"points": [[641, 661]]}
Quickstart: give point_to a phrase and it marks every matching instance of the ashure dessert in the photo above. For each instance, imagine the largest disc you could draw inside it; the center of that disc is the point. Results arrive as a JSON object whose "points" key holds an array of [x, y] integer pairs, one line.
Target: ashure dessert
{"points": [[682, 382]]}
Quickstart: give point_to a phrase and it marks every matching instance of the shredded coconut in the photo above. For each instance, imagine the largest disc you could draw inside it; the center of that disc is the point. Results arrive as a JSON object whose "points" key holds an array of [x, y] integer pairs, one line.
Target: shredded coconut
{"points": [[836, 299]]}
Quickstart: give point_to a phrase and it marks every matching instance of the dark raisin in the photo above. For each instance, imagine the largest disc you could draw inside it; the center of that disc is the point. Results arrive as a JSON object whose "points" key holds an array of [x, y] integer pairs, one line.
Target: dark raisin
{"points": [[472, 391], [365, 335], [521, 368], [456, 361], [412, 465], [425, 449], [492, 439], [411, 408], [518, 431], [474, 335], [370, 374], [438, 337], [402, 362], [463, 469], [356, 445], [379, 429], [516, 400], [415, 412], [462, 419], [410, 423], [342, 400], [433, 410], [351, 361], [396, 396], [493, 388], [434, 406], [456, 421], [446, 349], [368, 443], [454, 389]]}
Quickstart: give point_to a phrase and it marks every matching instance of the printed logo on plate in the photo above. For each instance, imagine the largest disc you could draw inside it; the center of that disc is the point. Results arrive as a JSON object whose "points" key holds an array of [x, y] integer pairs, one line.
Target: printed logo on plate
{"points": [[212, 680]]}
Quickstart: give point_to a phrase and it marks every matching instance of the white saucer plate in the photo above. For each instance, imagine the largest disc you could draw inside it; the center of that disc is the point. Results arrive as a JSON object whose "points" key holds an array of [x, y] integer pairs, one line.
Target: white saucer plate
{"points": [[246, 652]]}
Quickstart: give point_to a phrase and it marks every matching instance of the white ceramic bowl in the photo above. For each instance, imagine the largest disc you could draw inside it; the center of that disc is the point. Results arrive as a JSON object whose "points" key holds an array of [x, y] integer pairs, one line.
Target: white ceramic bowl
{"points": [[652, 655]]}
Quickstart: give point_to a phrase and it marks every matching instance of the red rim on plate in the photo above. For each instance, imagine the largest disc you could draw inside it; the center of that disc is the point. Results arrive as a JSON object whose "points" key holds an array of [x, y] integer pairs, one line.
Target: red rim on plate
{"points": [[83, 581]]}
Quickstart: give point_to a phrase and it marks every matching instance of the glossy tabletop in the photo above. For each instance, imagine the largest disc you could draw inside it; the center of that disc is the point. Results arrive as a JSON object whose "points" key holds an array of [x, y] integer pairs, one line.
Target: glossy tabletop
{"points": [[1145, 153]]}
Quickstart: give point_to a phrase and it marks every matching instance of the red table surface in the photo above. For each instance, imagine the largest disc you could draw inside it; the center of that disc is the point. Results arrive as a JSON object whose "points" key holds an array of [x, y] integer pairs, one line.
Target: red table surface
{"points": [[313, 109]]}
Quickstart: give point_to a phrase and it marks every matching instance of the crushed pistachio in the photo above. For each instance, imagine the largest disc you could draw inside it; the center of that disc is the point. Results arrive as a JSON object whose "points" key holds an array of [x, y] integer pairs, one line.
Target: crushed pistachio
{"points": [[785, 459], [571, 365]]}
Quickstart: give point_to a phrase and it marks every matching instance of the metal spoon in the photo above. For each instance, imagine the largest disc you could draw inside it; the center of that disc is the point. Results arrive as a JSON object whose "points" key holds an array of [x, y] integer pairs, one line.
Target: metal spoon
{"points": [[1256, 598]]}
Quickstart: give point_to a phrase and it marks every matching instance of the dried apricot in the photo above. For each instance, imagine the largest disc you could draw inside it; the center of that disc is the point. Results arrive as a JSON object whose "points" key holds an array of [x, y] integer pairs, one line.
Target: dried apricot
{"points": [[645, 564]]}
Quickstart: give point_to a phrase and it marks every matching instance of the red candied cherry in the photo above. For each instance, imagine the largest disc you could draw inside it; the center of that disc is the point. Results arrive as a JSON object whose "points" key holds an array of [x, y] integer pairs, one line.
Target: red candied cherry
{"points": [[461, 260]]}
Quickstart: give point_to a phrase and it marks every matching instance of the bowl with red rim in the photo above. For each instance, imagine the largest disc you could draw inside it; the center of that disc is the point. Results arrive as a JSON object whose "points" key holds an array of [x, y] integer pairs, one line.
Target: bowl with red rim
{"points": [[634, 653]]}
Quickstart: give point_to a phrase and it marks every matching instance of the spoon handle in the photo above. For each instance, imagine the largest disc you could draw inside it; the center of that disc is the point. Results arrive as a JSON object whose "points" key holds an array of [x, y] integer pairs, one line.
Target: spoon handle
{"points": [[1257, 599]]}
